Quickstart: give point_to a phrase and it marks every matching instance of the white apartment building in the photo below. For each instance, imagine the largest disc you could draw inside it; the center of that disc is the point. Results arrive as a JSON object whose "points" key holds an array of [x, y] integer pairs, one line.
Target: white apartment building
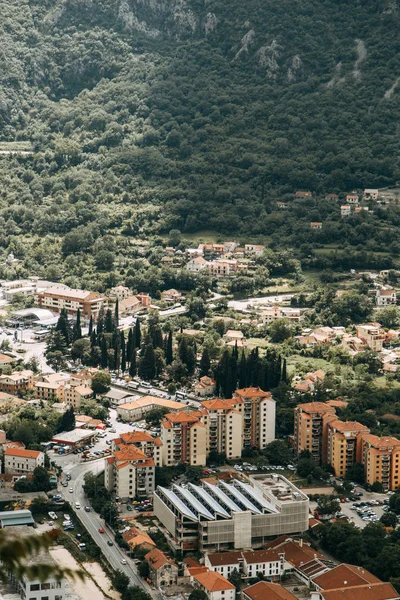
{"points": [[258, 411], [224, 428], [19, 460], [195, 265], [385, 297], [215, 586], [63, 297]]}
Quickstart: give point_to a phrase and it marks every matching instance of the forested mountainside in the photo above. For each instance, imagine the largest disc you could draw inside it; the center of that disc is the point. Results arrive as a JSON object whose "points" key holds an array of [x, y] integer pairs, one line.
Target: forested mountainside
{"points": [[147, 115]]}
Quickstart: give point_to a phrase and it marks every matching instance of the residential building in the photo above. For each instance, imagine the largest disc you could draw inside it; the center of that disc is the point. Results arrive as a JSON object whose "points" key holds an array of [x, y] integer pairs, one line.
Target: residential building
{"points": [[344, 575], [45, 588], [299, 559], [17, 383], [344, 444], [215, 586], [163, 570], [52, 392], [222, 268], [151, 446], [372, 334], [136, 538], [331, 197], [301, 195], [136, 409], [233, 335], [205, 387], [120, 292], [19, 460], [144, 299], [315, 225], [273, 313], [268, 562], [184, 439], [171, 296], [129, 473], [345, 210], [197, 264], [74, 394], [310, 382], [374, 591], [265, 590], [381, 460], [253, 249], [258, 411], [385, 297], [224, 562], [129, 306], [224, 428], [310, 424], [370, 194], [240, 514], [63, 297], [352, 199]]}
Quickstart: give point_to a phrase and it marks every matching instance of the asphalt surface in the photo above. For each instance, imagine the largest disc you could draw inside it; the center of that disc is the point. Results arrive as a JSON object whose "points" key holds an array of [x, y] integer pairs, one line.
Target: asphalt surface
{"points": [[93, 522]]}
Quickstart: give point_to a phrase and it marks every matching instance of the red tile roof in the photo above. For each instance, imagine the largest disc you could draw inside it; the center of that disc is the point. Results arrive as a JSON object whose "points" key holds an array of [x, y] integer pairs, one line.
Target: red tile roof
{"points": [[213, 582], [374, 591], [267, 591], [344, 575], [22, 453]]}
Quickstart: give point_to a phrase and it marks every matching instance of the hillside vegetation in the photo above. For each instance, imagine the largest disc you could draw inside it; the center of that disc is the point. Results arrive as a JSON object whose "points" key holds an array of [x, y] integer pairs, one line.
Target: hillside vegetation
{"points": [[147, 115]]}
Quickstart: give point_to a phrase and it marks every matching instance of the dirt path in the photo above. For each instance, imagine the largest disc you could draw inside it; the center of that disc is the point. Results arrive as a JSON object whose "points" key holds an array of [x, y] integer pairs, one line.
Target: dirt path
{"points": [[85, 589]]}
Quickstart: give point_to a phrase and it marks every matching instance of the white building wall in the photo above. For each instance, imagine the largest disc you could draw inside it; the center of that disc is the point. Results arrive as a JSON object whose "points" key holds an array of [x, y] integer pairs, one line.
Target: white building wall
{"points": [[267, 422]]}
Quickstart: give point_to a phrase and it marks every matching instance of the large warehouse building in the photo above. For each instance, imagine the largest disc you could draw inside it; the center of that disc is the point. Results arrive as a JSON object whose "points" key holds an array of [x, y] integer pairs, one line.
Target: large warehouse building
{"points": [[240, 514]]}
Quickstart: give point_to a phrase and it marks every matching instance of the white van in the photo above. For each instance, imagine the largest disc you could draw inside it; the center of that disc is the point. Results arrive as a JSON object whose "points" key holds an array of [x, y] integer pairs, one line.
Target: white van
{"points": [[77, 505]]}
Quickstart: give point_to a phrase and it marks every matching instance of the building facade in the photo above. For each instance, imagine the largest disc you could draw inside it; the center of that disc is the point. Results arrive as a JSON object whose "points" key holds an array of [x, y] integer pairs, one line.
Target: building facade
{"points": [[184, 439], [63, 297], [224, 426], [258, 411], [19, 460], [310, 423], [344, 444], [129, 473]]}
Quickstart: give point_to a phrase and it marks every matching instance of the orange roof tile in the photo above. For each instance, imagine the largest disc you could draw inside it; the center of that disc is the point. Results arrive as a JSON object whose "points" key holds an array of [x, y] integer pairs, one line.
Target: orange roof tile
{"points": [[344, 575], [218, 404], [263, 590], [213, 582], [316, 407], [261, 556], [156, 559], [135, 537], [224, 558], [183, 417], [374, 591], [22, 453], [132, 437], [253, 392], [128, 452], [343, 426]]}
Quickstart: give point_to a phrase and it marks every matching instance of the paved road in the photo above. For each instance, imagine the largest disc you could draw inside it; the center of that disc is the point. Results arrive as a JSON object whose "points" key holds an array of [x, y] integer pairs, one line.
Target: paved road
{"points": [[250, 303], [92, 522]]}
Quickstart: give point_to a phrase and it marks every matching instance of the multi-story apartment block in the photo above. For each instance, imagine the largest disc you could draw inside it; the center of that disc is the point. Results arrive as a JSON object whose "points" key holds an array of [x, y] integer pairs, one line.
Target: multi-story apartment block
{"points": [[17, 383], [19, 460], [224, 428], [129, 473], [222, 268], [258, 411], [385, 297], [63, 297], [381, 460], [49, 391], [344, 444], [74, 394], [310, 423], [184, 439], [151, 446], [372, 334]]}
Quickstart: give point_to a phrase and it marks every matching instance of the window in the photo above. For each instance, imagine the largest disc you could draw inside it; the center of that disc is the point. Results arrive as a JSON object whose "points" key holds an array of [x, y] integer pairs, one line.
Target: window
{"points": [[35, 586]]}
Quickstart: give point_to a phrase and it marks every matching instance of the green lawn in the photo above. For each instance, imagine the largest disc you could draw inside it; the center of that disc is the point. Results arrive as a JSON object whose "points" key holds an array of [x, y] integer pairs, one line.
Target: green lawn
{"points": [[313, 364]]}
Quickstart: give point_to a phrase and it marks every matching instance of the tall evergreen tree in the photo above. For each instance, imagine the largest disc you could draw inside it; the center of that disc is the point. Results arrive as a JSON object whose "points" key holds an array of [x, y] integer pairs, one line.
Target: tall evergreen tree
{"points": [[129, 345], [205, 363], [67, 421], [93, 338], [242, 371], [284, 376], [147, 365], [90, 326], [109, 322], [104, 352], [132, 363], [100, 320], [138, 334], [116, 313], [123, 353], [169, 355], [63, 327], [77, 330]]}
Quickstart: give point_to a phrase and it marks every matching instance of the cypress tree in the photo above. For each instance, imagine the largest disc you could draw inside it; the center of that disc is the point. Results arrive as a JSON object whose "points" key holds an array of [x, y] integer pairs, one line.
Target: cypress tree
{"points": [[109, 322], [63, 326], [147, 365], [104, 352], [117, 354], [138, 334], [100, 320], [123, 353], [205, 363], [169, 355], [116, 313], [77, 330], [156, 337], [132, 364], [93, 338], [129, 345], [242, 371], [90, 326], [284, 376]]}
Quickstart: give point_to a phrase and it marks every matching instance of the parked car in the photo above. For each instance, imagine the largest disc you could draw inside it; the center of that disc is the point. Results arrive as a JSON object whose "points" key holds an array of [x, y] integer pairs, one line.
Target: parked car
{"points": [[101, 530]]}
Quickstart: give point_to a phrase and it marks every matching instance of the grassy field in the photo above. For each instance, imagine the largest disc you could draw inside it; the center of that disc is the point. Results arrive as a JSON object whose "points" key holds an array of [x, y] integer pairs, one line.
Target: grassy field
{"points": [[312, 364]]}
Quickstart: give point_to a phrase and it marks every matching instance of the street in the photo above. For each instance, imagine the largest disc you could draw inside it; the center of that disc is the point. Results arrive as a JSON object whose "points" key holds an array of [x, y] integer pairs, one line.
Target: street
{"points": [[92, 522]]}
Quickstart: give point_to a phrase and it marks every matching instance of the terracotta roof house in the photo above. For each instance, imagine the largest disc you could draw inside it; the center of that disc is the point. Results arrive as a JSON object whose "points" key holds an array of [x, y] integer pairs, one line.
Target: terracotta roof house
{"points": [[163, 571], [267, 591]]}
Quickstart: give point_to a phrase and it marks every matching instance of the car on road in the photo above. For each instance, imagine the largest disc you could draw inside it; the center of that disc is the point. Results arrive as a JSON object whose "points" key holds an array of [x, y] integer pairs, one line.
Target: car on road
{"points": [[87, 508], [71, 490], [64, 483], [101, 530], [110, 543], [51, 523], [77, 505], [113, 430], [129, 507], [123, 561]]}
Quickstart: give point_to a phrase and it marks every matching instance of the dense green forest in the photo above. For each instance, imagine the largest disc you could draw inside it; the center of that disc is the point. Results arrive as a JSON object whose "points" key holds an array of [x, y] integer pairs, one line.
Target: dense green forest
{"points": [[148, 115]]}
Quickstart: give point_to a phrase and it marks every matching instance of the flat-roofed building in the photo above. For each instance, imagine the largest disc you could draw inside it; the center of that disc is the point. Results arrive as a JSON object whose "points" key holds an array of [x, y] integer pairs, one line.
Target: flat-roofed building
{"points": [[344, 445], [136, 409], [63, 297], [240, 514]]}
